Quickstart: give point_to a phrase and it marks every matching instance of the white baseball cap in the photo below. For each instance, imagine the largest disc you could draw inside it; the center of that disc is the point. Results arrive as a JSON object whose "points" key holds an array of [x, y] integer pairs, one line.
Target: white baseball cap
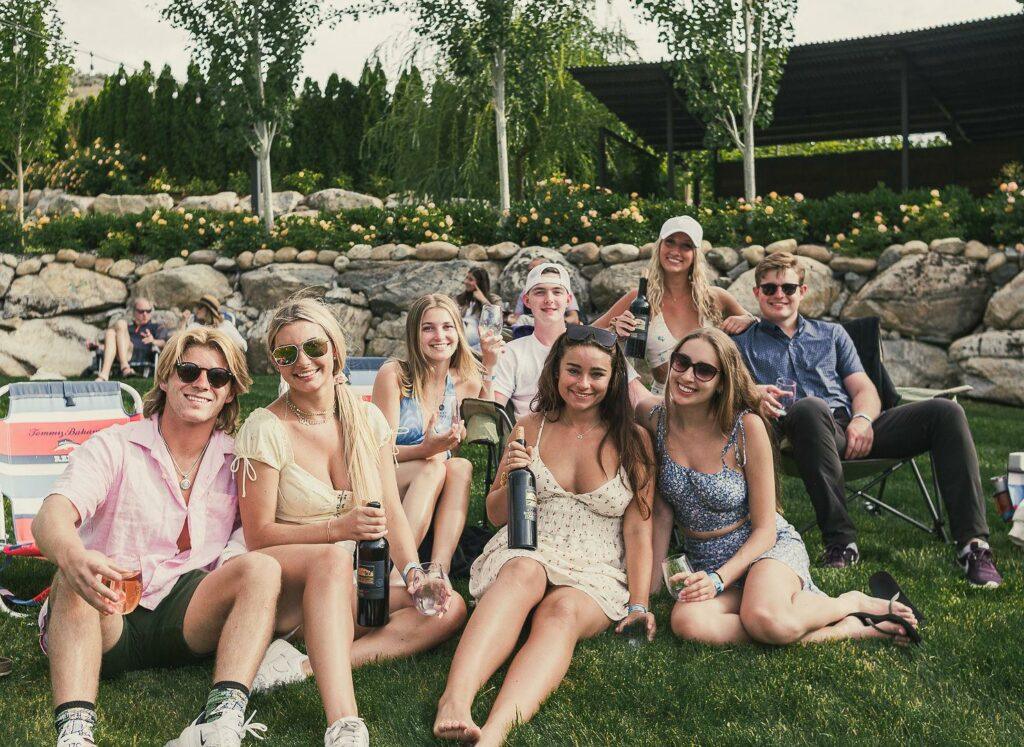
{"points": [[682, 224], [548, 273]]}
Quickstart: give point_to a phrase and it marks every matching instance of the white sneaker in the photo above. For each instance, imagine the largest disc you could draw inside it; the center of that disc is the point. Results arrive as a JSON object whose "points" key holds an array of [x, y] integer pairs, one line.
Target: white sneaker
{"points": [[226, 731], [281, 665], [347, 732]]}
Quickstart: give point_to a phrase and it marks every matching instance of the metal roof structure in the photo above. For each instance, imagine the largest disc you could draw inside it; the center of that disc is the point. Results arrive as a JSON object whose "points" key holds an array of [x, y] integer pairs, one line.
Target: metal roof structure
{"points": [[965, 80]]}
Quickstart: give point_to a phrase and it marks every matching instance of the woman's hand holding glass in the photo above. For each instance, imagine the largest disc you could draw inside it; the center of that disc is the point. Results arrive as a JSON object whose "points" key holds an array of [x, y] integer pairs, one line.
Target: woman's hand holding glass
{"points": [[430, 588], [698, 587], [636, 621], [492, 346], [448, 440]]}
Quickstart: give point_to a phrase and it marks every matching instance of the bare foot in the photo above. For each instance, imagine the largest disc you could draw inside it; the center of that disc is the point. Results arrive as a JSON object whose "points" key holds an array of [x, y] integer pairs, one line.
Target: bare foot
{"points": [[881, 606], [854, 628], [455, 723]]}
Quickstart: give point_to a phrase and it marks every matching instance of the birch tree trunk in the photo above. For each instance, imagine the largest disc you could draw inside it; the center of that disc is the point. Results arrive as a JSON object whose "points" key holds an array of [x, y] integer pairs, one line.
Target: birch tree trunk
{"points": [[264, 139], [747, 85], [499, 126], [19, 211]]}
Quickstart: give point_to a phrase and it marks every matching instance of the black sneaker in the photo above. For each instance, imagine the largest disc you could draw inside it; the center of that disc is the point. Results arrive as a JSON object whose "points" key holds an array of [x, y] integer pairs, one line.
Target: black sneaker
{"points": [[980, 567], [840, 556]]}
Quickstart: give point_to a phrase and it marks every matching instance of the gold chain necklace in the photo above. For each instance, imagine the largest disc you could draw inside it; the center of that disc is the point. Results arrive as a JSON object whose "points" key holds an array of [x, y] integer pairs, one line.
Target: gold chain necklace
{"points": [[306, 418]]}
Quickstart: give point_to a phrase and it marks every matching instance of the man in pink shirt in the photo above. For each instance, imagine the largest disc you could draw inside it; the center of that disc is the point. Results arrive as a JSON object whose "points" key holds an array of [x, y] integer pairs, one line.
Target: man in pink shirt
{"points": [[158, 495]]}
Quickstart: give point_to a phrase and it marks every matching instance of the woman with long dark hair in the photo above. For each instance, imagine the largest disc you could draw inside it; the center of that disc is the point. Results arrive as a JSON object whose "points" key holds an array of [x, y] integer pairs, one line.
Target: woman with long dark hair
{"points": [[475, 295], [592, 565]]}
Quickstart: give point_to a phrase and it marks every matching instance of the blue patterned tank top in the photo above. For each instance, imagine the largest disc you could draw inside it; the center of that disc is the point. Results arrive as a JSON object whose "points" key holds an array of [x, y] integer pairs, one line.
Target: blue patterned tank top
{"points": [[410, 415], [702, 501]]}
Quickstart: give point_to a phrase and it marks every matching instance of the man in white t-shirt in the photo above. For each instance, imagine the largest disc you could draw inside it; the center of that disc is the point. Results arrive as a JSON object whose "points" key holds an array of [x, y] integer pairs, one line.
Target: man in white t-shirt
{"points": [[547, 293]]}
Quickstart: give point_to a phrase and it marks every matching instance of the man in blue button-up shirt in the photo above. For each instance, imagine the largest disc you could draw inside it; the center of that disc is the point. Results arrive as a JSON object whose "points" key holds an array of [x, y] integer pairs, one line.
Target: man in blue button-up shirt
{"points": [[837, 414]]}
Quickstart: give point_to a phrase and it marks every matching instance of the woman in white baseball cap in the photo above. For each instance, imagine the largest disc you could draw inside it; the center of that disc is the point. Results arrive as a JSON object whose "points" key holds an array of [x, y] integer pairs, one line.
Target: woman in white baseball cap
{"points": [[681, 297]]}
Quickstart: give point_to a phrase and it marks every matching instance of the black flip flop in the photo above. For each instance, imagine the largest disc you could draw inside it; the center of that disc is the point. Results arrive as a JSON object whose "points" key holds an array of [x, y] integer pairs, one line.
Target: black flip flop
{"points": [[884, 586], [873, 619]]}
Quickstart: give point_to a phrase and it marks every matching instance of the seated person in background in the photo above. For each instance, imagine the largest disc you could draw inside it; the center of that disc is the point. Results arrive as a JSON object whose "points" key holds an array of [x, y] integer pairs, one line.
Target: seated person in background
{"points": [[680, 296], [716, 478], [476, 295], [309, 464], [592, 565], [523, 314], [137, 341], [208, 314], [420, 399], [837, 415], [116, 510]]}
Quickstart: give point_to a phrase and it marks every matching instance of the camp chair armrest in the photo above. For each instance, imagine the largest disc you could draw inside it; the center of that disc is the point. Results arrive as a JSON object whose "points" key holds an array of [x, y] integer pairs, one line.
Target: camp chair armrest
{"points": [[136, 398]]}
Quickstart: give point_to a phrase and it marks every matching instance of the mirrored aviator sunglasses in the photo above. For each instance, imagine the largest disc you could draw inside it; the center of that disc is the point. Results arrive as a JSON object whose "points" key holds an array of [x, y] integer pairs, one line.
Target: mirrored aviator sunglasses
{"points": [[286, 355], [585, 333], [701, 371], [189, 372]]}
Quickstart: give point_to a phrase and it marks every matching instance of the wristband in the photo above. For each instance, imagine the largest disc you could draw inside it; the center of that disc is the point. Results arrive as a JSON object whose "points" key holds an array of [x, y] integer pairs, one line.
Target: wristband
{"points": [[488, 377], [862, 415], [717, 581], [408, 567], [631, 608]]}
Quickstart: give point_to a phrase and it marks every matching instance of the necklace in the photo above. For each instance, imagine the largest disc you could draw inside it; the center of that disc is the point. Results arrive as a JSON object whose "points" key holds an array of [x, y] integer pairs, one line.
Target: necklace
{"points": [[184, 483], [579, 434], [314, 417]]}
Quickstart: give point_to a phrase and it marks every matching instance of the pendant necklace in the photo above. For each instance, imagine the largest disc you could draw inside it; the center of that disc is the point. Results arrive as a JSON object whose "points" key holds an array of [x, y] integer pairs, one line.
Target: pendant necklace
{"points": [[184, 483], [579, 435], [314, 417]]}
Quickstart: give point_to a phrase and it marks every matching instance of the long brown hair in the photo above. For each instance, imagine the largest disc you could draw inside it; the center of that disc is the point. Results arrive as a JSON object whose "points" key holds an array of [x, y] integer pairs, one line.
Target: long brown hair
{"points": [[415, 369], [466, 299], [737, 392], [708, 313], [170, 356], [614, 410]]}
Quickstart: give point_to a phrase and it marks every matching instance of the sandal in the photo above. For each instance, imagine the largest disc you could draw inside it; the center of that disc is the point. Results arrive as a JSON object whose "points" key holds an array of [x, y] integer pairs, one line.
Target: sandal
{"points": [[128, 372], [873, 619], [884, 586]]}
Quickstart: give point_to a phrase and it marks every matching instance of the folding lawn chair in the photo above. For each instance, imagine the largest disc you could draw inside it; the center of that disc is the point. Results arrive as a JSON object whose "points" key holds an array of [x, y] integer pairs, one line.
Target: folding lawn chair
{"points": [[45, 422], [866, 336], [489, 425]]}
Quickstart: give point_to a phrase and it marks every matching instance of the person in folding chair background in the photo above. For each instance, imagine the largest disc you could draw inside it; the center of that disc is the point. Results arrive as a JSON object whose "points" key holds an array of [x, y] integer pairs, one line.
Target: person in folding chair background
{"points": [[158, 496], [838, 415], [127, 343]]}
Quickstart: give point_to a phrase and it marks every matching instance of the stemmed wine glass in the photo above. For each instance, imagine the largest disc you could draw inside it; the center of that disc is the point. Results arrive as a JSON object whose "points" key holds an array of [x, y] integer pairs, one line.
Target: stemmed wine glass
{"points": [[490, 320]]}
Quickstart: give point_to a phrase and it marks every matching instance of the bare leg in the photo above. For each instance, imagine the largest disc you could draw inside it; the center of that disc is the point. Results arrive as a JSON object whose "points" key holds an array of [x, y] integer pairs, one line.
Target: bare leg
{"points": [[489, 639], [317, 593], [124, 344], [451, 510], [777, 610], [109, 352], [565, 616], [77, 635], [419, 483], [232, 611], [715, 621]]}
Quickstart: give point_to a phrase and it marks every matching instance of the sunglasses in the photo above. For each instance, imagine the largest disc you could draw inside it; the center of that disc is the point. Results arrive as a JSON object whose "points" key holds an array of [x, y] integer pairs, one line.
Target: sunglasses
{"points": [[585, 333], [769, 289], [143, 311], [681, 362], [218, 377], [314, 347]]}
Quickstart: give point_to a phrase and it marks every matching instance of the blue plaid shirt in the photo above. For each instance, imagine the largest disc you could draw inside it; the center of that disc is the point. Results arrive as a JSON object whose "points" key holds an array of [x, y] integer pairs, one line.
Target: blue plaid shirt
{"points": [[818, 357]]}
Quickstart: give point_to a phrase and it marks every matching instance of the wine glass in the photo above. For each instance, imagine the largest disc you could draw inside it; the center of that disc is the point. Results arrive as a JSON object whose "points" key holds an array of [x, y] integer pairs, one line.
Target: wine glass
{"points": [[432, 592], [674, 566], [788, 396], [446, 414], [490, 320]]}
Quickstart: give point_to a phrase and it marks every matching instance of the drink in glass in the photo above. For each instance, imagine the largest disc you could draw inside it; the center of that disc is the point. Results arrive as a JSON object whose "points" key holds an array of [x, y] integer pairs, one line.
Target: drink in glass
{"points": [[490, 320], [432, 592], [446, 414], [675, 569], [788, 396], [128, 589]]}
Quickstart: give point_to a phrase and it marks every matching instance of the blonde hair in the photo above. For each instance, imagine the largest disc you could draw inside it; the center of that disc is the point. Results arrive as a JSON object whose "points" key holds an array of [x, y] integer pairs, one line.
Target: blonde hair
{"points": [[414, 370], [361, 447], [779, 262], [156, 398], [708, 313]]}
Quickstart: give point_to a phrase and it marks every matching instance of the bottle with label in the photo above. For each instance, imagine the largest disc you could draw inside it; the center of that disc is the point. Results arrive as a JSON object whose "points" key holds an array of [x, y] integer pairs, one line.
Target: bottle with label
{"points": [[522, 504], [372, 588], [636, 343]]}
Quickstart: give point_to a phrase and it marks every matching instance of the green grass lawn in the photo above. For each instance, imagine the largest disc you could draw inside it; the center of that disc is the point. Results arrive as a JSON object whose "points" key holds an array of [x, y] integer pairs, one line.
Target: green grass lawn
{"points": [[962, 686]]}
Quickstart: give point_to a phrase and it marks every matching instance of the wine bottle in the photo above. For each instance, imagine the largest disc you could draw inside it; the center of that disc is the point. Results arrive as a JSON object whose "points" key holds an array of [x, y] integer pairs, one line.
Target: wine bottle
{"points": [[522, 504], [372, 588], [636, 343]]}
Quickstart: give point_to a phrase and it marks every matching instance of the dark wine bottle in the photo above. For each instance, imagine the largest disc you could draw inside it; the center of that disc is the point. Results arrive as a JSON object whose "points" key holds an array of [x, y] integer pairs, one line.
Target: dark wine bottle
{"points": [[636, 343], [522, 504], [372, 588]]}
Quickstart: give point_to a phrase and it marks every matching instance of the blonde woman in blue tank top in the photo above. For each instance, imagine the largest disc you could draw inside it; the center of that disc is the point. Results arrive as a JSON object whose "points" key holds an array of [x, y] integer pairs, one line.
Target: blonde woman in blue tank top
{"points": [[716, 479]]}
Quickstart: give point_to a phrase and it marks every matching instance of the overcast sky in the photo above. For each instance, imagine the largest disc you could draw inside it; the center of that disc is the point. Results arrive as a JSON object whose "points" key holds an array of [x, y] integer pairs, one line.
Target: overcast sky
{"points": [[131, 31]]}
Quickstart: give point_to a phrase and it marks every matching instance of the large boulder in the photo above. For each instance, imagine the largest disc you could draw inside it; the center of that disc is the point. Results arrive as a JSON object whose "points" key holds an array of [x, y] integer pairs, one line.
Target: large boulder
{"points": [[333, 200], [131, 204], [1005, 308], [609, 285], [822, 289], [933, 295], [65, 204], [513, 277], [222, 202], [56, 345], [912, 363], [182, 286], [391, 287], [62, 288], [993, 363], [282, 202], [42, 200], [6, 277], [266, 287]]}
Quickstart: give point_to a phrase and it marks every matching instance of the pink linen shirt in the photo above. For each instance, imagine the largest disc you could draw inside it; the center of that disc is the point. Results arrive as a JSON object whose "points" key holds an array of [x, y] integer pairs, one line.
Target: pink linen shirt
{"points": [[125, 487]]}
